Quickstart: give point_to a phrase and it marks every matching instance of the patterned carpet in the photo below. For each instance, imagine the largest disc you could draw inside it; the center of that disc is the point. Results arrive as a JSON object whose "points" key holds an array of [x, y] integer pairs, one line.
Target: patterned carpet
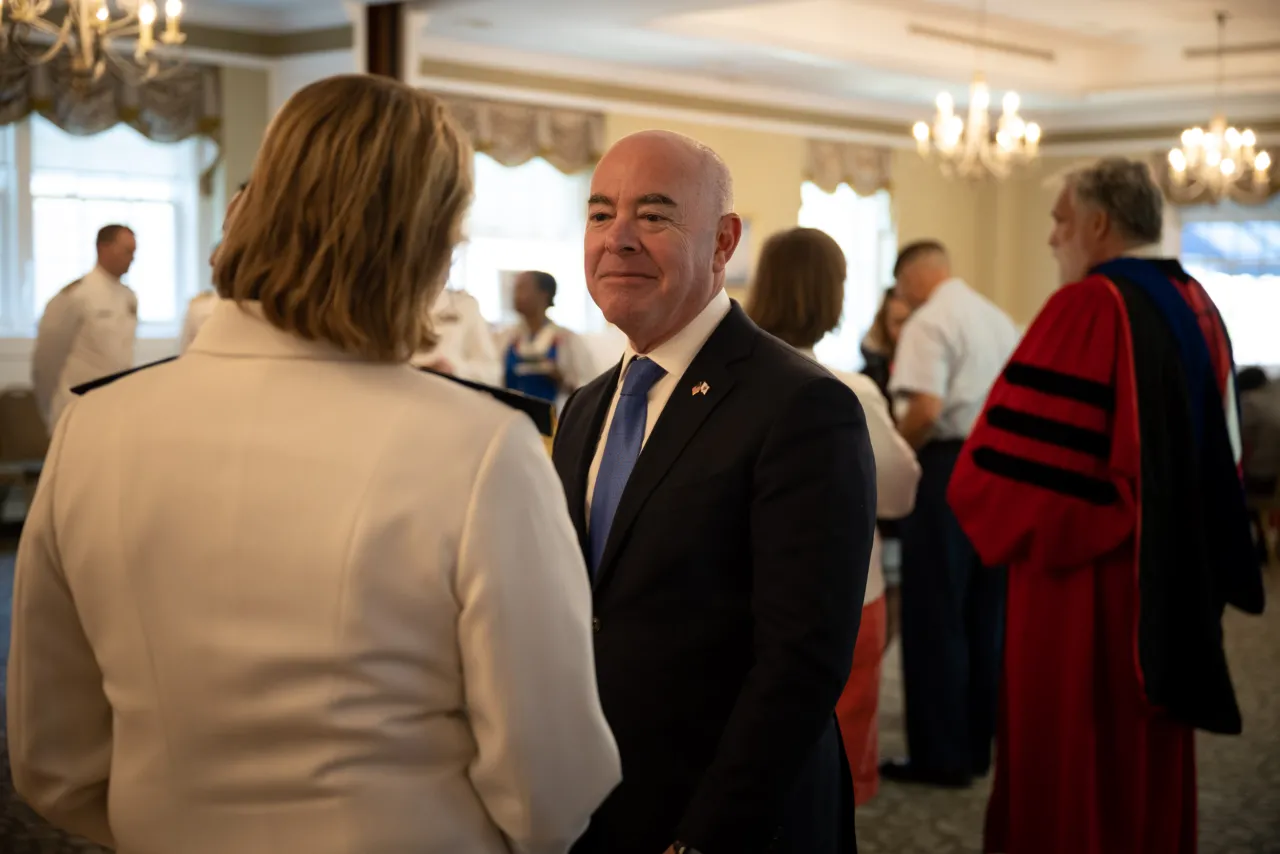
{"points": [[1239, 777]]}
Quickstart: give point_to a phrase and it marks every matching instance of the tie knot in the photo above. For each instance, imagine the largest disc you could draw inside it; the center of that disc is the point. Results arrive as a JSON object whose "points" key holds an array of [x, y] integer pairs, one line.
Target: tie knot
{"points": [[641, 376]]}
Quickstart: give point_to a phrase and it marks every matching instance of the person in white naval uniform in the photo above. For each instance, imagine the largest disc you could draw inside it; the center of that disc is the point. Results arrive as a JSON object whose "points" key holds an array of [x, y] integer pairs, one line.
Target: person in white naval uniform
{"points": [[88, 328], [464, 343], [285, 593]]}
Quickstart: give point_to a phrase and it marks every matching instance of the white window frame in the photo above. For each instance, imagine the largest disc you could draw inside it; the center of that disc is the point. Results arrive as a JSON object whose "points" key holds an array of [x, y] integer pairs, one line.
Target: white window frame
{"points": [[18, 314], [865, 280], [1231, 213]]}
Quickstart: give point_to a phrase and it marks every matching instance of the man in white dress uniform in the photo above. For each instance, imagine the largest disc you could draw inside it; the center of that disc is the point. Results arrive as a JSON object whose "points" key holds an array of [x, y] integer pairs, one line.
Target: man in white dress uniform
{"points": [[88, 328]]}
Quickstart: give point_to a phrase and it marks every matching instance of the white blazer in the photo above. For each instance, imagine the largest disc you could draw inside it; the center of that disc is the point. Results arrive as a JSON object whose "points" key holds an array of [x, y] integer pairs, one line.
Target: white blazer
{"points": [[87, 332], [275, 599]]}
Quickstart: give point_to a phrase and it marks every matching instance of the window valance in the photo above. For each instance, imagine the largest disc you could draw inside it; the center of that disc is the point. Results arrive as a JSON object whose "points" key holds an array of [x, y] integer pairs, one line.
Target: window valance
{"points": [[866, 169], [512, 133]]}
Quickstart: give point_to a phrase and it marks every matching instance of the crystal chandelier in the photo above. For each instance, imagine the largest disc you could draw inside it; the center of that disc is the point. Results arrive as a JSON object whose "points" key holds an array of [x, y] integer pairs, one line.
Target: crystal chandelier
{"points": [[969, 149], [87, 31], [1221, 162]]}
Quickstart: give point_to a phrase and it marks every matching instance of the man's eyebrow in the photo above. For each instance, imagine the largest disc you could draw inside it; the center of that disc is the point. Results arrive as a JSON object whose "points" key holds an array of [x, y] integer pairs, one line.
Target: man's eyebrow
{"points": [[656, 199], [600, 199]]}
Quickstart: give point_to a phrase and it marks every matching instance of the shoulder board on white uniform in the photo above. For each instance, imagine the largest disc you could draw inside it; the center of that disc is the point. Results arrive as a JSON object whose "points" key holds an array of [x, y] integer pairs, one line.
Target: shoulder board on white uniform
{"points": [[543, 412], [110, 378]]}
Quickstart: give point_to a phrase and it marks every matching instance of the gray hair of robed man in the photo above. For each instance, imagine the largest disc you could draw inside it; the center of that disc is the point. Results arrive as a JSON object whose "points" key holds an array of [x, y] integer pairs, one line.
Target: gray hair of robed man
{"points": [[1126, 191]]}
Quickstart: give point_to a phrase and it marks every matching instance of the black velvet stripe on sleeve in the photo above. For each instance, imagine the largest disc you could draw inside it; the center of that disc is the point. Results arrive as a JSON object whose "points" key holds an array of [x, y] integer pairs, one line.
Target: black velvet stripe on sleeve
{"points": [[1059, 384], [1050, 431], [1063, 481]]}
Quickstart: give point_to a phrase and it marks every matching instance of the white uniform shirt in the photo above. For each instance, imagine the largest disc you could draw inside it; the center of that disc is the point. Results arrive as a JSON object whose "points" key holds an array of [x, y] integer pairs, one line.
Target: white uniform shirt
{"points": [[897, 471], [954, 348], [199, 309], [674, 355], [465, 339], [345, 611], [87, 332]]}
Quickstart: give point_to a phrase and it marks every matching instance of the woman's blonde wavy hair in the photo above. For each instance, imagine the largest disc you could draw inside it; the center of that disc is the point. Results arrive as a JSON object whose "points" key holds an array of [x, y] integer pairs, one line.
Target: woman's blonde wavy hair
{"points": [[348, 225]]}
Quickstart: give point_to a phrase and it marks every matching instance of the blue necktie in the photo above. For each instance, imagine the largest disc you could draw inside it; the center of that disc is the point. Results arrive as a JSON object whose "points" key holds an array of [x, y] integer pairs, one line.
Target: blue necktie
{"points": [[621, 450]]}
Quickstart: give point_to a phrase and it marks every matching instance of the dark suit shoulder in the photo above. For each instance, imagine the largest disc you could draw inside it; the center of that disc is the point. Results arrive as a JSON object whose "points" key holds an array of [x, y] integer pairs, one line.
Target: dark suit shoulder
{"points": [[102, 382], [777, 363]]}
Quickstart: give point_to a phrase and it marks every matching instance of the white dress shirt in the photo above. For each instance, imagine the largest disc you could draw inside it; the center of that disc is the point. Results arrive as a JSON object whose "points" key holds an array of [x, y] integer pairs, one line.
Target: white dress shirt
{"points": [[465, 339], [87, 332], [674, 356], [897, 471], [954, 347], [274, 598]]}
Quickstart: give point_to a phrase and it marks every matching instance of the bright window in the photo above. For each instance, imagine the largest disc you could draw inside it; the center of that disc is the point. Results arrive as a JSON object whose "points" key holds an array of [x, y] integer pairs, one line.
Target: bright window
{"points": [[527, 217], [68, 188], [1234, 251], [863, 227]]}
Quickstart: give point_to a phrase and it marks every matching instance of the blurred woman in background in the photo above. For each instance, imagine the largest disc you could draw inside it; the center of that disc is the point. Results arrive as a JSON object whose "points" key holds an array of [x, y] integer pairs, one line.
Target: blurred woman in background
{"points": [[797, 296], [881, 341], [287, 593]]}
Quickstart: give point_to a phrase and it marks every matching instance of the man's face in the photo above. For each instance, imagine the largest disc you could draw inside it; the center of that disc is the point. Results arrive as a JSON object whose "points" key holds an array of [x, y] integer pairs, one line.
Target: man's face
{"points": [[656, 242], [1077, 235], [527, 298], [117, 256], [913, 285]]}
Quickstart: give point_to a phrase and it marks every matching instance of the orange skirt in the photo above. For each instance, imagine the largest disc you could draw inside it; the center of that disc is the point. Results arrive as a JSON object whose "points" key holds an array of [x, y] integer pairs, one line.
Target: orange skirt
{"points": [[859, 704]]}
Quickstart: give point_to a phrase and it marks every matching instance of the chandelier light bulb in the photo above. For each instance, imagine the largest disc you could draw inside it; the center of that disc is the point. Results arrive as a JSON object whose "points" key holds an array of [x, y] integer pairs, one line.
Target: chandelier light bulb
{"points": [[173, 8], [1011, 102], [1212, 157], [945, 102], [1228, 167], [1262, 162], [1232, 138], [103, 13], [1248, 139], [1032, 132], [920, 131], [147, 13], [981, 97], [955, 127], [1177, 160]]}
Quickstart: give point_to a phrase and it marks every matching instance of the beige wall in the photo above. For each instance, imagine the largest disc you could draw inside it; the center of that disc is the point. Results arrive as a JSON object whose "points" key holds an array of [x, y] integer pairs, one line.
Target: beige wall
{"points": [[245, 94]]}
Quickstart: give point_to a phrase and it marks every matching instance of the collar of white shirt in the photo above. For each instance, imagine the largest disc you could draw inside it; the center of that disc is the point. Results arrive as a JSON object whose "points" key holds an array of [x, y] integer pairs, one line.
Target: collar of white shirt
{"points": [[677, 353]]}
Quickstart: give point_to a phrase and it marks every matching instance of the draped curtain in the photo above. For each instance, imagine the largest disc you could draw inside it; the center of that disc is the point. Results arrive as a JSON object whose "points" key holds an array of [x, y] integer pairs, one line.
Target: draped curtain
{"points": [[184, 103], [513, 133], [864, 168]]}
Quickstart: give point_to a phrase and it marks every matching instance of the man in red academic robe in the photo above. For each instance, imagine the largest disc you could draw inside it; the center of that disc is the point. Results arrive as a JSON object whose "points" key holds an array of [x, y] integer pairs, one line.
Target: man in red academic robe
{"points": [[1104, 473]]}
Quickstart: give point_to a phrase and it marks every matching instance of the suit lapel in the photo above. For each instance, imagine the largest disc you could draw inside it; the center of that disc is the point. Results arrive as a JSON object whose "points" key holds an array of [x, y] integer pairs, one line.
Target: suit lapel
{"points": [[576, 493], [684, 413]]}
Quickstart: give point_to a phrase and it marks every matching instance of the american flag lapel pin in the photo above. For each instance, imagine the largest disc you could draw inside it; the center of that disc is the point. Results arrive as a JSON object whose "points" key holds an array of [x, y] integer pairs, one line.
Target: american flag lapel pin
{"points": [[701, 388]]}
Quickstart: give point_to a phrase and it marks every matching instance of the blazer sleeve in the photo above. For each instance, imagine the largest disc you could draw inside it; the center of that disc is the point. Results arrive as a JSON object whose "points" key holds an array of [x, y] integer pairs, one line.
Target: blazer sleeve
{"points": [[545, 756], [59, 724], [812, 519]]}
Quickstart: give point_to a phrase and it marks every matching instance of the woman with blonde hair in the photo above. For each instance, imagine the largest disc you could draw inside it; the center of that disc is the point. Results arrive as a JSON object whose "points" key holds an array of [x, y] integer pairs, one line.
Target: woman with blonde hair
{"points": [[798, 296], [287, 593]]}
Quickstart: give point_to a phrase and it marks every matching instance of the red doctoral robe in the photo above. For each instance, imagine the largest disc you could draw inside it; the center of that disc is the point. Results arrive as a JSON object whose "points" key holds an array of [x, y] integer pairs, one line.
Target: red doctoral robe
{"points": [[1052, 483]]}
